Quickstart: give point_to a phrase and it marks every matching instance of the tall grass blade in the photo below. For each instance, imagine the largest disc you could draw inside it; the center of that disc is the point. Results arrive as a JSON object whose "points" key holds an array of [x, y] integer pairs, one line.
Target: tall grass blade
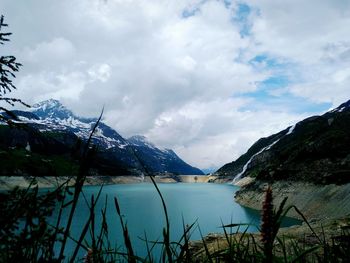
{"points": [[127, 242], [166, 230], [205, 247]]}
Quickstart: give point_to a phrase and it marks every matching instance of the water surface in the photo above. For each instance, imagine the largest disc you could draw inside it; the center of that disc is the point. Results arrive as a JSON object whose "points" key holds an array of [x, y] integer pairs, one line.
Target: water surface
{"points": [[206, 204]]}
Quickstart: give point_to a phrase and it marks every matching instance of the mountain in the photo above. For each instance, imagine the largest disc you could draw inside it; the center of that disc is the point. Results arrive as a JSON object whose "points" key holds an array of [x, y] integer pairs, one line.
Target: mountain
{"points": [[53, 129], [316, 150], [158, 160]]}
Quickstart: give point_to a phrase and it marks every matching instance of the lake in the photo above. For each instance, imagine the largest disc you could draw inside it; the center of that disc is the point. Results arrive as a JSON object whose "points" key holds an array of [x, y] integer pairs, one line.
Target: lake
{"points": [[209, 204]]}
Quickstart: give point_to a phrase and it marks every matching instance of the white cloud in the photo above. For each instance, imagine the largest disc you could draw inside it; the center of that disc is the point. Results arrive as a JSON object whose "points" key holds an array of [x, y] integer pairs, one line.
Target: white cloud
{"points": [[175, 70], [46, 85], [58, 50], [212, 133], [314, 36], [300, 29], [100, 72]]}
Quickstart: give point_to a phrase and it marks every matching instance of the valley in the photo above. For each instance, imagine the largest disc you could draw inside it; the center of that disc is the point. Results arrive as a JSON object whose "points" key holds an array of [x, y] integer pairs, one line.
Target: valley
{"points": [[307, 163]]}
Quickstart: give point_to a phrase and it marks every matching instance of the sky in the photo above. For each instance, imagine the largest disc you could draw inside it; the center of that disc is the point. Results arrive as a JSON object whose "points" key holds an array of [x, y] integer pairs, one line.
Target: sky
{"points": [[205, 78]]}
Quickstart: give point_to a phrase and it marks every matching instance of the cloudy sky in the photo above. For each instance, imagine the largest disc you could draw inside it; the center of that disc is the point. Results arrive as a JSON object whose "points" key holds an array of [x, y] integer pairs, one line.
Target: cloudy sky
{"points": [[205, 78]]}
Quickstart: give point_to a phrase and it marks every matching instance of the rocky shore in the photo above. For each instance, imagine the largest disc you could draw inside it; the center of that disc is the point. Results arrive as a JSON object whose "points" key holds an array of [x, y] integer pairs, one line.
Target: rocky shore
{"points": [[329, 230], [315, 201], [8, 182], [326, 208]]}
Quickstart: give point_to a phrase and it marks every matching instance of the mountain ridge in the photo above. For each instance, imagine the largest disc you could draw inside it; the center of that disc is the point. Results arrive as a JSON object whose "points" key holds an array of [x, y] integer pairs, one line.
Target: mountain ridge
{"points": [[53, 122], [316, 149]]}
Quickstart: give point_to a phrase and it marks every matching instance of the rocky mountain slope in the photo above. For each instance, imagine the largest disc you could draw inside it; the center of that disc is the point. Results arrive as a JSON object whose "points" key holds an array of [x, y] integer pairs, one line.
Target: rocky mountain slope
{"points": [[316, 150], [158, 160], [309, 163], [52, 132]]}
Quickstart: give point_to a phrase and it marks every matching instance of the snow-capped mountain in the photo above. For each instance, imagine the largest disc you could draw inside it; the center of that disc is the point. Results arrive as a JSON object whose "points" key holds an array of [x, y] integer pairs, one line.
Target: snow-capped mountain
{"points": [[53, 116], [53, 119], [316, 149], [51, 109]]}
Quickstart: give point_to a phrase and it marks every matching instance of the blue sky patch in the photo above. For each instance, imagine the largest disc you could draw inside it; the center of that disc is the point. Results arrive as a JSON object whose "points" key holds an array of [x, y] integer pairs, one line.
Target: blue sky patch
{"points": [[188, 12], [265, 62], [274, 82], [262, 100], [272, 93], [242, 15]]}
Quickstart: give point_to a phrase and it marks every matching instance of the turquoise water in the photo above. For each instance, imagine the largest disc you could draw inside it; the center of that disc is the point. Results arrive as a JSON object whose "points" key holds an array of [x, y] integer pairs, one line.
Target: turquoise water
{"points": [[141, 207]]}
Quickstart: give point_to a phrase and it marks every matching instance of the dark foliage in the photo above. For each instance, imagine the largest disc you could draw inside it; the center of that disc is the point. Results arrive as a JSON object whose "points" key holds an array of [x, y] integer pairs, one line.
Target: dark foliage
{"points": [[8, 67], [25, 235]]}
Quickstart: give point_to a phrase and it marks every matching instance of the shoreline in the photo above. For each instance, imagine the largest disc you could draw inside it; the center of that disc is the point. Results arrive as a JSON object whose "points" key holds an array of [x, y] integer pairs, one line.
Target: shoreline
{"points": [[9, 182]]}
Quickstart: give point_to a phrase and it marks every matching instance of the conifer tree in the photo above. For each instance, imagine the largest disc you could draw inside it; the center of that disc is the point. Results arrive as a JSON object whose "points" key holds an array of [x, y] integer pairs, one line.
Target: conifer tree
{"points": [[8, 67]]}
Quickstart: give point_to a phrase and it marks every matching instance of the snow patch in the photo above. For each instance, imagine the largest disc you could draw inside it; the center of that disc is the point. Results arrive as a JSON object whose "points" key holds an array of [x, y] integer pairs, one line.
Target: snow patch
{"points": [[341, 109], [291, 129], [245, 167]]}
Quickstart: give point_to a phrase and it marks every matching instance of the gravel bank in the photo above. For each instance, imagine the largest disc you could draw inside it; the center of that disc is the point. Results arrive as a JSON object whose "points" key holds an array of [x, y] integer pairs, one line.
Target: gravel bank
{"points": [[316, 202]]}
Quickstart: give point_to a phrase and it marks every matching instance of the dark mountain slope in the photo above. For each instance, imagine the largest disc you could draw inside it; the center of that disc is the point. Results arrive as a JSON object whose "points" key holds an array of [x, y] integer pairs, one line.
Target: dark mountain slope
{"points": [[316, 149], [159, 160]]}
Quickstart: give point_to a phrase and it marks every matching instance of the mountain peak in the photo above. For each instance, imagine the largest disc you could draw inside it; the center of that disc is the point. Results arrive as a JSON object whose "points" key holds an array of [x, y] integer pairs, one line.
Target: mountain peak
{"points": [[48, 104], [51, 108]]}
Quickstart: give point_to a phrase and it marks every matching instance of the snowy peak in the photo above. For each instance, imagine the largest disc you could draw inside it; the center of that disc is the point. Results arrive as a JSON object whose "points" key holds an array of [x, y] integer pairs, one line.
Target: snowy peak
{"points": [[48, 104], [52, 115], [51, 109]]}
